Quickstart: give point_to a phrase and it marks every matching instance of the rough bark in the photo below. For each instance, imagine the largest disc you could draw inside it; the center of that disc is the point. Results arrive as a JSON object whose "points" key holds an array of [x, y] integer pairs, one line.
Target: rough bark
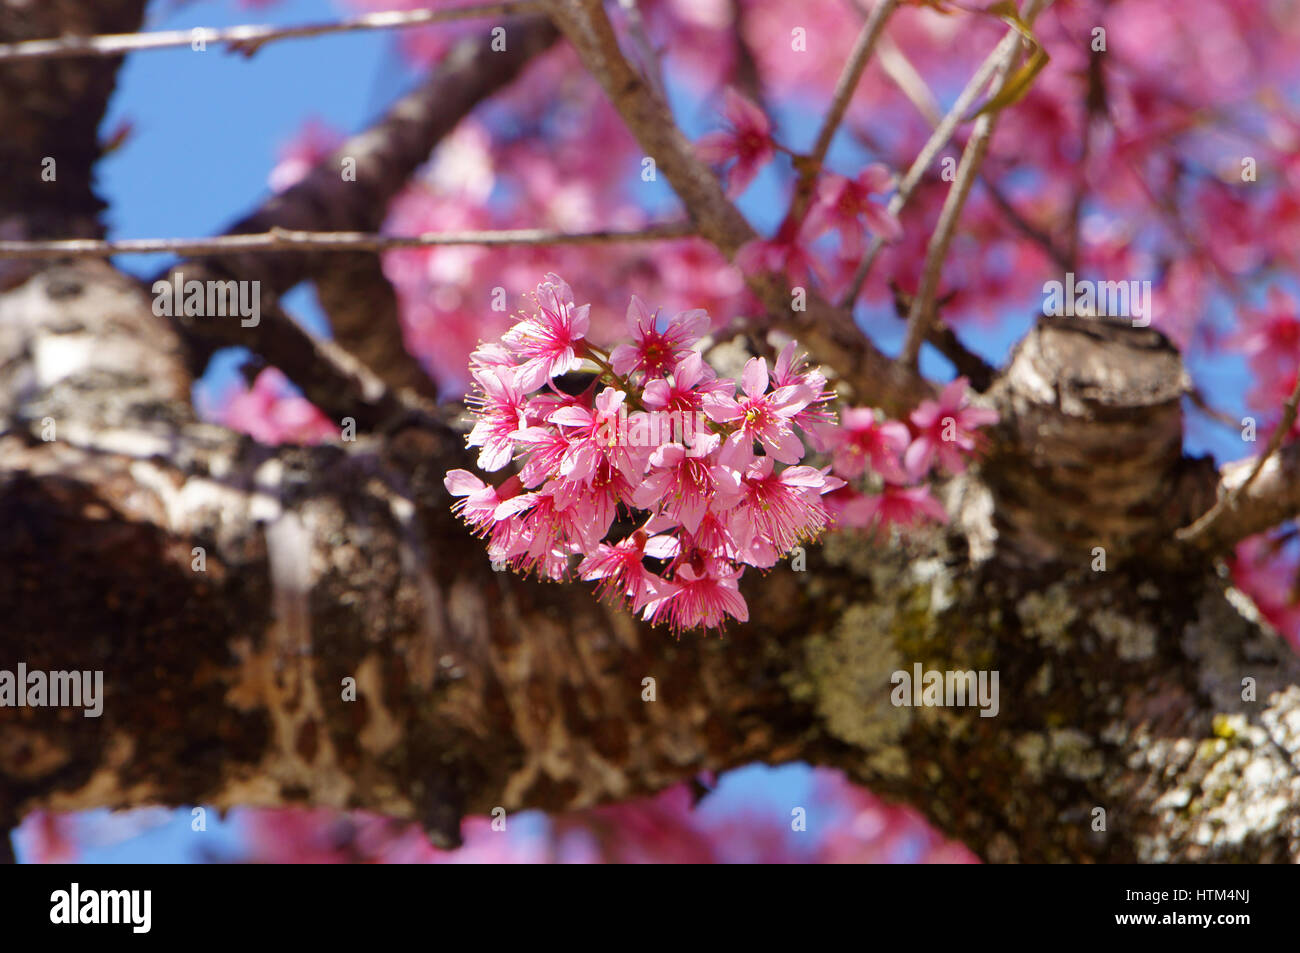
{"points": [[1119, 689]]}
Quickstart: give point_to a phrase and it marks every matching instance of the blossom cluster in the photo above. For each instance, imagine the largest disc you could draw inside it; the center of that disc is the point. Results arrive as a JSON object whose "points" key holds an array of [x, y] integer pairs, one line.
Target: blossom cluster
{"points": [[702, 508], [897, 457], [670, 524]]}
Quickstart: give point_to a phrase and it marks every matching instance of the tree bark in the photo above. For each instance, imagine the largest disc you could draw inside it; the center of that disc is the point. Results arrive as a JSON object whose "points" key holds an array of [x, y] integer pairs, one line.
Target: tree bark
{"points": [[1119, 690]]}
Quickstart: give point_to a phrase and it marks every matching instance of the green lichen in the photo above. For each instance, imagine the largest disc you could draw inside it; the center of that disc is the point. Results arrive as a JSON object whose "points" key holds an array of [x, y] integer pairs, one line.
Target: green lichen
{"points": [[850, 670]]}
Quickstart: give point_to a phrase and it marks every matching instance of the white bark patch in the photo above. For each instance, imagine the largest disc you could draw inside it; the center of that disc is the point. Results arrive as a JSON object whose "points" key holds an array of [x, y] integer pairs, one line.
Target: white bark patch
{"points": [[59, 356]]}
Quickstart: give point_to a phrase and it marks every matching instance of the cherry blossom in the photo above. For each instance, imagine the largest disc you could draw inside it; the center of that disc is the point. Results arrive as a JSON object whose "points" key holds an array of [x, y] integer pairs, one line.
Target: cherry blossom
{"points": [[657, 351], [845, 204], [945, 430], [747, 141], [761, 416]]}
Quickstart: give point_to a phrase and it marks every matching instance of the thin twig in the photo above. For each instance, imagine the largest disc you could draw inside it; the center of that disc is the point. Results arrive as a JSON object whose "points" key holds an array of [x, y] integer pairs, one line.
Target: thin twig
{"points": [[1228, 500], [249, 38], [811, 164], [906, 77], [849, 78], [967, 170], [938, 139], [286, 240]]}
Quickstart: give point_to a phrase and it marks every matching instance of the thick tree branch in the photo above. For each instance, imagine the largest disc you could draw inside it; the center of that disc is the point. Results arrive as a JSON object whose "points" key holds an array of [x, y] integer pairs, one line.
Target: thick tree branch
{"points": [[1238, 480], [228, 684], [1253, 496], [50, 113]]}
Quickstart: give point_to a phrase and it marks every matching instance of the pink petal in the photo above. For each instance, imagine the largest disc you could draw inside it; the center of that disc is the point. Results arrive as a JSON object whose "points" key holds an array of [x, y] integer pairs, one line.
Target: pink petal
{"points": [[721, 408], [462, 483], [743, 114], [623, 358], [754, 377]]}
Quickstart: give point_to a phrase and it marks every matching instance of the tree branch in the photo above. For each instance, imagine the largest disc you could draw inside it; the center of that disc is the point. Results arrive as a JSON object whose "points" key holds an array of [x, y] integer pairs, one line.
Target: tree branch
{"points": [[383, 159], [50, 113], [1255, 494], [249, 38], [811, 164], [967, 170], [938, 139], [287, 240], [341, 566]]}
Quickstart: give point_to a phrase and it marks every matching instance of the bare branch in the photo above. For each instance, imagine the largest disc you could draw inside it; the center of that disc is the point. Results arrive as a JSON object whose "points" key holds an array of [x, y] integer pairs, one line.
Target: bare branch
{"points": [[290, 240], [248, 38], [860, 55], [906, 77], [967, 170], [938, 139], [383, 158], [1275, 499]]}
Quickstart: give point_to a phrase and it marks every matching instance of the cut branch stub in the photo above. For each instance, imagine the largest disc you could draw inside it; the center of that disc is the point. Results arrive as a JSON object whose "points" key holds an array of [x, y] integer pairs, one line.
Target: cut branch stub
{"points": [[1090, 443]]}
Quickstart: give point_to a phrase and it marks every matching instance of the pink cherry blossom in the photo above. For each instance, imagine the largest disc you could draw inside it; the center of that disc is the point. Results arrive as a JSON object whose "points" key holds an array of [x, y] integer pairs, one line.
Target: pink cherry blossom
{"points": [[703, 593], [761, 416], [863, 439], [785, 253], [944, 430], [273, 412], [595, 433], [684, 486], [748, 141], [684, 390], [817, 420], [784, 508], [707, 504], [314, 142], [893, 506], [621, 570], [654, 351], [845, 204], [499, 404], [546, 340]]}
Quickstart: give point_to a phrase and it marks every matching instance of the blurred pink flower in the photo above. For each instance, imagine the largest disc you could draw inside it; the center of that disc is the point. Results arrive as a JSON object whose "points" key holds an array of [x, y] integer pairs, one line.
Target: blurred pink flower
{"points": [[747, 141]]}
